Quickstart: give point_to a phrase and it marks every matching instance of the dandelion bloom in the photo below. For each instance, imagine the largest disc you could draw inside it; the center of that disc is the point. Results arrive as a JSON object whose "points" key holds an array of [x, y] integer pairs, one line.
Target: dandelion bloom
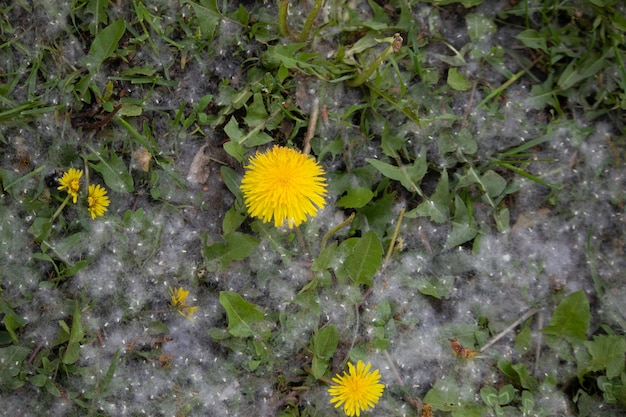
{"points": [[358, 389], [283, 184], [179, 300], [70, 181], [97, 200]]}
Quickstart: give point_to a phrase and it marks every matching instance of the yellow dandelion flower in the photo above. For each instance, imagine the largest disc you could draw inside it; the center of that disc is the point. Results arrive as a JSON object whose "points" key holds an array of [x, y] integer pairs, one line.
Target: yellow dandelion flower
{"points": [[179, 300], [358, 389], [70, 181], [97, 200], [179, 296], [283, 184]]}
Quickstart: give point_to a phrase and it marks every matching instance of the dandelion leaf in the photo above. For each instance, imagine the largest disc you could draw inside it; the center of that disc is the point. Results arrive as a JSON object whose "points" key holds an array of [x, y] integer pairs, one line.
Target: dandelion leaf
{"points": [[323, 345], [241, 315], [365, 259], [356, 198], [606, 353], [114, 173], [464, 227], [237, 247], [571, 317], [437, 206], [11, 359]]}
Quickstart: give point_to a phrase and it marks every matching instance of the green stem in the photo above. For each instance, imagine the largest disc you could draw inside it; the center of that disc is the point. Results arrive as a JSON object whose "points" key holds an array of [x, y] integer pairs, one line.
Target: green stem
{"points": [[334, 230], [394, 238], [60, 209], [283, 8], [304, 35]]}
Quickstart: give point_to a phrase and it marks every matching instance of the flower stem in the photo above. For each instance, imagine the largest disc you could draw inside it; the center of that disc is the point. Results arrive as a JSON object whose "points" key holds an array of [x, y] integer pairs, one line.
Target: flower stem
{"points": [[61, 207], [283, 8], [306, 29], [335, 230]]}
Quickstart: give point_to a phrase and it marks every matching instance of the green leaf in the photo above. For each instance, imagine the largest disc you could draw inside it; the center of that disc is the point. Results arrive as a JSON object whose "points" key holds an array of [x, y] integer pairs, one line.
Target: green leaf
{"points": [[437, 206], [241, 315], [492, 183], [518, 373], [11, 359], [103, 45], [571, 317], [479, 26], [288, 56], [607, 353], [533, 39], [237, 247], [457, 81], [489, 396], [232, 180], [256, 114], [577, 71], [323, 345], [365, 259], [77, 334], [208, 16], [436, 287], [444, 395], [506, 394], [356, 198], [464, 227], [114, 173], [408, 175], [97, 8]]}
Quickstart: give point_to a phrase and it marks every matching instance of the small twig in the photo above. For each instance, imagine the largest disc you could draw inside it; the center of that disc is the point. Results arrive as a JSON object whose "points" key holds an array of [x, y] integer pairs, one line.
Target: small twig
{"points": [[516, 323], [310, 130], [415, 402], [393, 238], [539, 343], [100, 123]]}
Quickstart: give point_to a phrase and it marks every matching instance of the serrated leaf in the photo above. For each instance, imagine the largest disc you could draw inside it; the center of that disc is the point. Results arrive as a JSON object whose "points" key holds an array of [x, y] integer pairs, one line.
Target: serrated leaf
{"points": [[464, 228], [607, 353], [437, 206], [323, 345], [114, 173], [365, 258], [241, 315], [571, 317], [356, 198], [457, 81], [256, 114], [208, 15]]}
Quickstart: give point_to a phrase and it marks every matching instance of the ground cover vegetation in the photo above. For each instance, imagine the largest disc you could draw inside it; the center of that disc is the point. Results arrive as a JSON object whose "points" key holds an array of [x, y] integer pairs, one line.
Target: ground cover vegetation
{"points": [[402, 208]]}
